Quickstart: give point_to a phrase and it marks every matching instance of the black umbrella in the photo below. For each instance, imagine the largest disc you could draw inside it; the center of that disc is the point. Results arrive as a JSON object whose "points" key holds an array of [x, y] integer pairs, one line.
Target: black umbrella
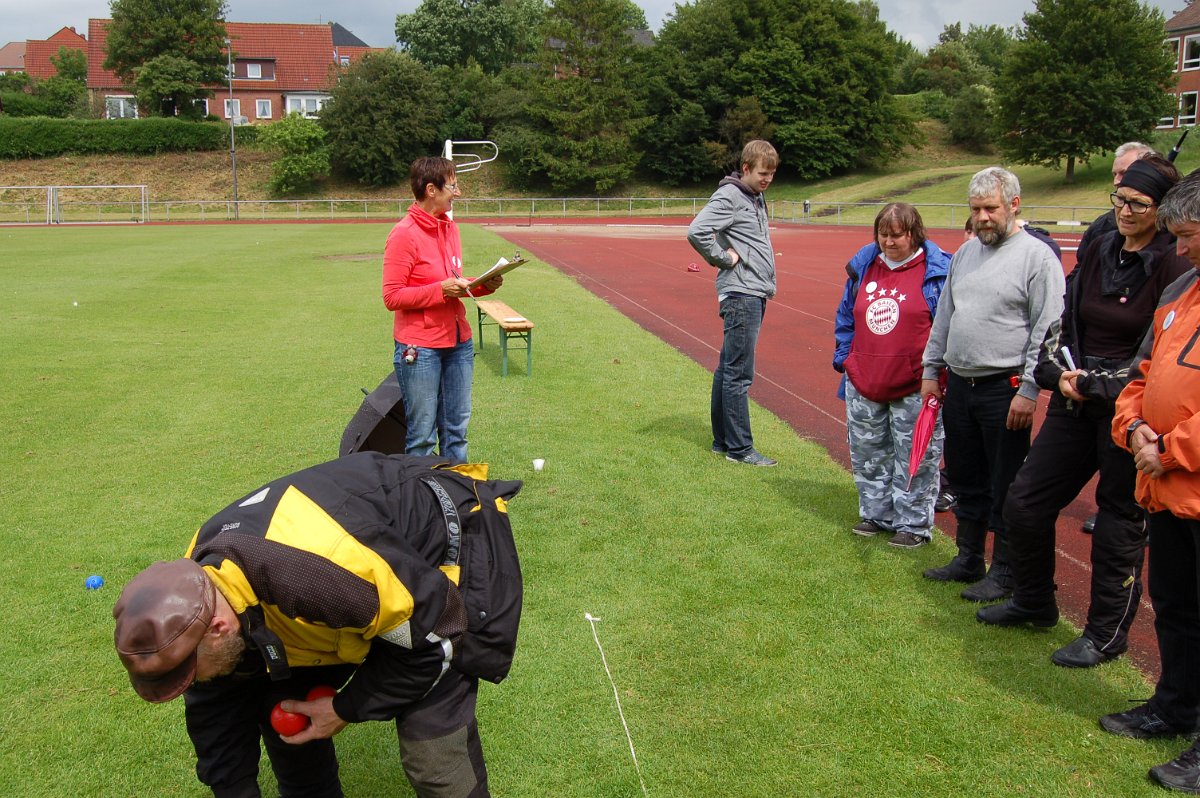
{"points": [[379, 424], [1175, 150]]}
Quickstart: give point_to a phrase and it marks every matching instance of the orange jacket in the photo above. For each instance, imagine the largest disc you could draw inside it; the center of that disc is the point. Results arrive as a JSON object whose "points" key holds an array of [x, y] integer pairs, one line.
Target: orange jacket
{"points": [[421, 251], [1165, 392]]}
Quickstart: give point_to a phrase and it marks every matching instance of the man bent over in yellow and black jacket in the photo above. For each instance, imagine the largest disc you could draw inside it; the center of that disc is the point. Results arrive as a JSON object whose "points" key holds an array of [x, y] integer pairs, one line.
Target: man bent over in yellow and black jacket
{"points": [[358, 572]]}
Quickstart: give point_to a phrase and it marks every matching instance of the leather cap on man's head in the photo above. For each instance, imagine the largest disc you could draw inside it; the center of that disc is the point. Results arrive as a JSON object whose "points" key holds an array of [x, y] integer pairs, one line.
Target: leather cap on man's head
{"points": [[162, 614]]}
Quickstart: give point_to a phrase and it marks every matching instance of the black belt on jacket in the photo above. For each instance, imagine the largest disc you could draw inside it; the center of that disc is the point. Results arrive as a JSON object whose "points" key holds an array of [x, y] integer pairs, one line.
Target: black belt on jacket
{"points": [[453, 524], [999, 376]]}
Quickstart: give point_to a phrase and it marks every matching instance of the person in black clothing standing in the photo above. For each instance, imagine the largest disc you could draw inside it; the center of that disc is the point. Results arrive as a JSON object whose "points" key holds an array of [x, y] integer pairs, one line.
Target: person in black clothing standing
{"points": [[1106, 222], [1110, 301]]}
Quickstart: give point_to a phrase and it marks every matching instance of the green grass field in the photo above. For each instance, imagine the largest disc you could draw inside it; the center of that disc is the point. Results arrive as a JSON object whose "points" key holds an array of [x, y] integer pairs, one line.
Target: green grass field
{"points": [[153, 373]]}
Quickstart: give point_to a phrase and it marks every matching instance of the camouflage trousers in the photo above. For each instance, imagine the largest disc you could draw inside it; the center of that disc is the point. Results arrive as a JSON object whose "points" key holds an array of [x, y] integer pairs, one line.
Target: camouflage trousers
{"points": [[880, 437]]}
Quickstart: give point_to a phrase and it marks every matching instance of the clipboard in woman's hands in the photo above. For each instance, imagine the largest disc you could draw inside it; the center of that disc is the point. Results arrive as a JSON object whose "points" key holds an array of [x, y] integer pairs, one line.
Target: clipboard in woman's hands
{"points": [[503, 266]]}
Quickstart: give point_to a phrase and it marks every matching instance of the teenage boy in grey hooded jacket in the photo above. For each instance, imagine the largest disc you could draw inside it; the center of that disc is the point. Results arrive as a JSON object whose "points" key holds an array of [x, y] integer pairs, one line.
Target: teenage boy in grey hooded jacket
{"points": [[732, 234]]}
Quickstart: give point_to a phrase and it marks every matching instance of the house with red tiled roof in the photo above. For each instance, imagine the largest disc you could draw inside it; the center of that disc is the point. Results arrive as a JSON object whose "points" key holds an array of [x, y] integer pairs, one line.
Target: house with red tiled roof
{"points": [[348, 47], [278, 68], [39, 51], [1183, 42], [12, 58]]}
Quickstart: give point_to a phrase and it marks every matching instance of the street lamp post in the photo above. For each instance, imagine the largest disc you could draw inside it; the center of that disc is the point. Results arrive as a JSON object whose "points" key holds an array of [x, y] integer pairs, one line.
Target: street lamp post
{"points": [[232, 115]]}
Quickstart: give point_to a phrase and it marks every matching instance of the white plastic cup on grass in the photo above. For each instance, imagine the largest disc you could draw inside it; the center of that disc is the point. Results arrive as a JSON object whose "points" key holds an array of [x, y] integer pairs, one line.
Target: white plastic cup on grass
{"points": [[539, 464]]}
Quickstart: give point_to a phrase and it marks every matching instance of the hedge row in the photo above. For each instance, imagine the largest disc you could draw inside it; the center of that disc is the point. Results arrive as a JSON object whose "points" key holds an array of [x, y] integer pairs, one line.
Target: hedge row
{"points": [[43, 137], [18, 103]]}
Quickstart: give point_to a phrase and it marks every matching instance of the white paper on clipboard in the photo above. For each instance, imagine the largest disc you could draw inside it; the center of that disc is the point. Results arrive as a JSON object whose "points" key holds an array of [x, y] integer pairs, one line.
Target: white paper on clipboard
{"points": [[503, 266]]}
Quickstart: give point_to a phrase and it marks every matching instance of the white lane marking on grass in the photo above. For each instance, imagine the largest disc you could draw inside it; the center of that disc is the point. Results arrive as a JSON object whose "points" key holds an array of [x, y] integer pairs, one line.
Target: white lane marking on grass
{"points": [[591, 619]]}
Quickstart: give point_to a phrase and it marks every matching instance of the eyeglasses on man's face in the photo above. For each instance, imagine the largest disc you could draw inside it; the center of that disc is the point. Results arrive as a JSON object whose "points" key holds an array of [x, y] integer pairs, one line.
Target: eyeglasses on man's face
{"points": [[1137, 207]]}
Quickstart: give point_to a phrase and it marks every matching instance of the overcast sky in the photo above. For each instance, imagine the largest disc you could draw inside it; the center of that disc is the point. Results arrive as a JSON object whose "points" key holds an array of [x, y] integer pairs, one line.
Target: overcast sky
{"points": [[373, 21]]}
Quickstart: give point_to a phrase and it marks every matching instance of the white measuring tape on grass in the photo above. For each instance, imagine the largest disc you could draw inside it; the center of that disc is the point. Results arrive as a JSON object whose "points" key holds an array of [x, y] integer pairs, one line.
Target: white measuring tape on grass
{"points": [[591, 619]]}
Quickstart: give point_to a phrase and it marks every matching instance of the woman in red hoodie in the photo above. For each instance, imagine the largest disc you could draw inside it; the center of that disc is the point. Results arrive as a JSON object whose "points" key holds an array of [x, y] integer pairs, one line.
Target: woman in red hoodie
{"points": [[423, 284]]}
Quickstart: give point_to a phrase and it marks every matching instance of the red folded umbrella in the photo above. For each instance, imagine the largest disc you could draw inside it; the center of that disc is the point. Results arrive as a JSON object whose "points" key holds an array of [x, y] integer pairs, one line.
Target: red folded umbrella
{"points": [[922, 433]]}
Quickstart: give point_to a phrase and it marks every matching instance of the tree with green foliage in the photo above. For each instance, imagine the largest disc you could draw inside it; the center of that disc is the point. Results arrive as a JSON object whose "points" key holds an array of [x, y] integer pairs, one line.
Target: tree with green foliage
{"points": [[475, 103], [70, 64], [1083, 76], [171, 81], [492, 33], [303, 157], [958, 60], [584, 112], [14, 81], [66, 90], [384, 112], [948, 67], [819, 70], [971, 119], [62, 95], [906, 55], [990, 44], [171, 31]]}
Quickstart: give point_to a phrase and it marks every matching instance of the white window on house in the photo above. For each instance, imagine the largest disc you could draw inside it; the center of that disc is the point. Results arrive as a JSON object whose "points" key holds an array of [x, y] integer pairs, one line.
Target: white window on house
{"points": [[305, 106], [233, 108], [1187, 109], [254, 71], [1191, 52], [1172, 48], [119, 106], [262, 109], [1166, 122], [202, 105], [344, 60]]}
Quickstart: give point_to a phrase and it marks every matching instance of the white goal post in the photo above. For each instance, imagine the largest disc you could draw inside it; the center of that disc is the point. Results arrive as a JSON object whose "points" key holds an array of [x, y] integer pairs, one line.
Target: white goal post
{"points": [[98, 204], [470, 159]]}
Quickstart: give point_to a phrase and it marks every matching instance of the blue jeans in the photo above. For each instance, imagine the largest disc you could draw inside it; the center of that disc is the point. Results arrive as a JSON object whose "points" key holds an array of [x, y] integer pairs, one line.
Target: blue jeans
{"points": [[437, 399], [730, 406]]}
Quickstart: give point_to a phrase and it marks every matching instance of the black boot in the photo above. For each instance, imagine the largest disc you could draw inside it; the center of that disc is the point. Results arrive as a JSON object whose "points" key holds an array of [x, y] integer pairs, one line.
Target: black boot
{"points": [[1010, 613], [967, 565], [998, 584], [995, 586]]}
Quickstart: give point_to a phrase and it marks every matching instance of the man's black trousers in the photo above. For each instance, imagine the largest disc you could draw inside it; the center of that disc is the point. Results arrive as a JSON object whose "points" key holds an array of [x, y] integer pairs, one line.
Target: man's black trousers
{"points": [[439, 739], [1067, 452], [982, 455], [1174, 582]]}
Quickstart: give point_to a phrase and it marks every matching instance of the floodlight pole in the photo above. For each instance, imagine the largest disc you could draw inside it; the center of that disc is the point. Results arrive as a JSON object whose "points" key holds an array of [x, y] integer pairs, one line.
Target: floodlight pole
{"points": [[232, 144]]}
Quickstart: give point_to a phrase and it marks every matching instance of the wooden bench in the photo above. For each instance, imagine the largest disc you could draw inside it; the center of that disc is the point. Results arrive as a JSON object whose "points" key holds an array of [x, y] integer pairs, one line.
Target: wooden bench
{"points": [[512, 325]]}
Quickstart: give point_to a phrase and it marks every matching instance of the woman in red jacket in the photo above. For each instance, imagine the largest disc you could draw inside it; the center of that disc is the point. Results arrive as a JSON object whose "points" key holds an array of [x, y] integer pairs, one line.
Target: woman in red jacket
{"points": [[423, 283]]}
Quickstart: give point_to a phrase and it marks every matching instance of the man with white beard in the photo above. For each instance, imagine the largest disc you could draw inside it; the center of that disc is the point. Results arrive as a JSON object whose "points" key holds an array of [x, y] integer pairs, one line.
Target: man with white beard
{"points": [[1004, 289]]}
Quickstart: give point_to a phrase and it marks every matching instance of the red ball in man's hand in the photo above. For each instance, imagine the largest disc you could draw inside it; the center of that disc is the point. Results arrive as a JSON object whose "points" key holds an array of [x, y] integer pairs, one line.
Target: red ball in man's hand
{"points": [[288, 723], [320, 691]]}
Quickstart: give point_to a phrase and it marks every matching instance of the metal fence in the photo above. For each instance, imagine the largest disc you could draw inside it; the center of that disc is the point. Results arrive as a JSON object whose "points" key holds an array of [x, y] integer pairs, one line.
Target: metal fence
{"points": [[27, 207], [935, 215]]}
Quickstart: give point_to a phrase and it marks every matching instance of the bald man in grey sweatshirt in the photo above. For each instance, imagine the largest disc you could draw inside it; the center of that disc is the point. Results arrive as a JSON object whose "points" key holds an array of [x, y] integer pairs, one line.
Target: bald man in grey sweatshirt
{"points": [[1004, 289]]}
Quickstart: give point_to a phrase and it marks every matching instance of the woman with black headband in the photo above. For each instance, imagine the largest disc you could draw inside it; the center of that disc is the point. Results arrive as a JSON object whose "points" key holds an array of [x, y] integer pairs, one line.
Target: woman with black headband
{"points": [[1084, 362]]}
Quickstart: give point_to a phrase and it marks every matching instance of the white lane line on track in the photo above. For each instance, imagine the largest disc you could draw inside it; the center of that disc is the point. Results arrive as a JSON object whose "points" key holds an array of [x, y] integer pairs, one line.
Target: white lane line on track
{"points": [[710, 347]]}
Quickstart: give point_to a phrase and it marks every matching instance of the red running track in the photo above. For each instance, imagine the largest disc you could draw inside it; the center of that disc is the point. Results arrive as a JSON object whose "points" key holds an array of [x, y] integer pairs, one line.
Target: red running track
{"points": [[640, 268]]}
